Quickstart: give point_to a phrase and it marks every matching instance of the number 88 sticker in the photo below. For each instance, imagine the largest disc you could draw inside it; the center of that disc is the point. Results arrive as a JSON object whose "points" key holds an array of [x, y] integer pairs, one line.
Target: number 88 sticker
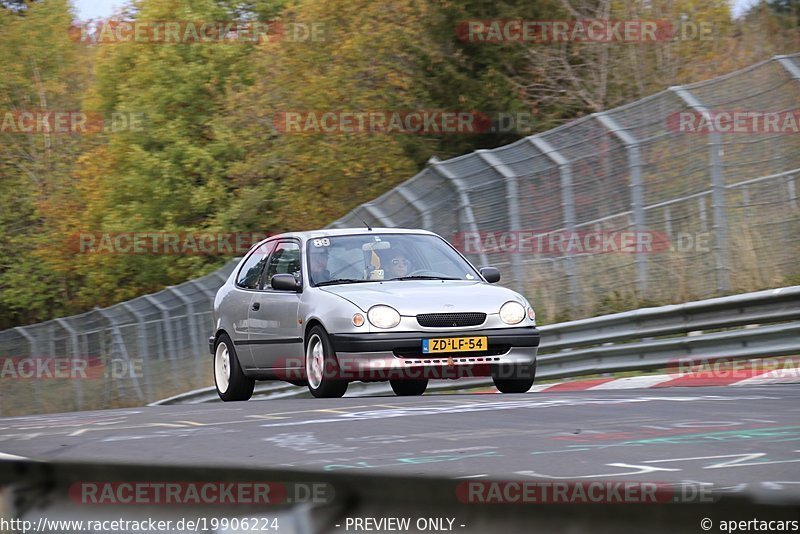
{"points": [[324, 242]]}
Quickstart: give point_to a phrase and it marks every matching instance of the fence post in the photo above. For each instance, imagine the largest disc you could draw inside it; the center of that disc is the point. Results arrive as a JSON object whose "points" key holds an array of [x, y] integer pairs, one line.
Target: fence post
{"points": [[207, 291], [790, 66], [568, 207], [142, 349], [464, 205], [118, 340], [173, 350], [210, 294], [701, 206], [667, 222], [794, 72], [416, 202], [719, 213], [33, 352], [637, 194], [512, 200], [193, 331], [73, 337], [378, 214]]}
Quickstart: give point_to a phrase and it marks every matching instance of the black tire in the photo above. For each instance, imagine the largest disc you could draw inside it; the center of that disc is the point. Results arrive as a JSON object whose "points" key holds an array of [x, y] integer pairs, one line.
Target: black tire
{"points": [[239, 386], [409, 388], [514, 378], [326, 382]]}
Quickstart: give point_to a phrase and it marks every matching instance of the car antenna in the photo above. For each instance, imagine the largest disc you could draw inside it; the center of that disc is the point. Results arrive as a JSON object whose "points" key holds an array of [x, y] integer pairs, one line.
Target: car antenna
{"points": [[366, 224]]}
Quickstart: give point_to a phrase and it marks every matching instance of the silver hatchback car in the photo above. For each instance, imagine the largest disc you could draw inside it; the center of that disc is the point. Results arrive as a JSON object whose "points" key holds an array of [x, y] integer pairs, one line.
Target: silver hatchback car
{"points": [[328, 307]]}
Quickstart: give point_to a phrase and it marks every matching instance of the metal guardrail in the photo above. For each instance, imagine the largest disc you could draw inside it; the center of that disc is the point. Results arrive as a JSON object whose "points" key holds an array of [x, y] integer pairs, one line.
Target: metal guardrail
{"points": [[760, 307], [751, 325]]}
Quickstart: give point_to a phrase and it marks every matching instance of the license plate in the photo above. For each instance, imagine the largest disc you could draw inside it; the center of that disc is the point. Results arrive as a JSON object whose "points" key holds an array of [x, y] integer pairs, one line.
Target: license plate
{"points": [[454, 344]]}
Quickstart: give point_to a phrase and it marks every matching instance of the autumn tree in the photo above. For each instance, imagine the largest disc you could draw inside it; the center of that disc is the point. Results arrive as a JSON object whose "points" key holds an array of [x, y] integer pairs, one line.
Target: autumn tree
{"points": [[42, 72], [169, 173]]}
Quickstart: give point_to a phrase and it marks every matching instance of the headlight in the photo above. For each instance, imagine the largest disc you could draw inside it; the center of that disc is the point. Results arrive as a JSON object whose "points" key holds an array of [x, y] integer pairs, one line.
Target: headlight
{"points": [[512, 312], [383, 316]]}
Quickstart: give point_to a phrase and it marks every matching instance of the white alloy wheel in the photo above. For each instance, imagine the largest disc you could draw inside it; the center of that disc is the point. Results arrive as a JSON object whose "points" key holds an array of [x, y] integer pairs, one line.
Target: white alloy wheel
{"points": [[222, 367], [315, 361]]}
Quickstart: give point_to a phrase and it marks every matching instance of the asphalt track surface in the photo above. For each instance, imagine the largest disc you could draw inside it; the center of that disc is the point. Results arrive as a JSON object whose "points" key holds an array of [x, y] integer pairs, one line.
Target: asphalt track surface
{"points": [[730, 438]]}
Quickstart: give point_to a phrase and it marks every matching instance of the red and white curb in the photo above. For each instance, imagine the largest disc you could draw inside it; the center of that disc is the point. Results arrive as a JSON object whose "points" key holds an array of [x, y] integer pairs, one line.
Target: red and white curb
{"points": [[732, 377]]}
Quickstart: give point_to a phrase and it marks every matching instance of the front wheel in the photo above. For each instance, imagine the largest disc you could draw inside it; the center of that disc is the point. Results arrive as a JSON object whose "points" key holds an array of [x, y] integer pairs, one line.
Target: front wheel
{"points": [[409, 388], [514, 378], [322, 368], [231, 382]]}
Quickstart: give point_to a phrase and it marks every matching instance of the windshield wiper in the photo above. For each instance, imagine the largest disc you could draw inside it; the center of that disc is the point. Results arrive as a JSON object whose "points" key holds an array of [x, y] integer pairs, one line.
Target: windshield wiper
{"points": [[425, 277], [342, 281]]}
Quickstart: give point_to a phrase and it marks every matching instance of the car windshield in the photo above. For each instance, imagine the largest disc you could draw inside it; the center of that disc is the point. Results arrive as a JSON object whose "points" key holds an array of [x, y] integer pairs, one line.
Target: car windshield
{"points": [[373, 257]]}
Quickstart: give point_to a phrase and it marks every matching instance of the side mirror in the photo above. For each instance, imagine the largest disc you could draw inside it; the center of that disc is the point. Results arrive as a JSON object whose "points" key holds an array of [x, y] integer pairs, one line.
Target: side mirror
{"points": [[491, 274], [285, 282]]}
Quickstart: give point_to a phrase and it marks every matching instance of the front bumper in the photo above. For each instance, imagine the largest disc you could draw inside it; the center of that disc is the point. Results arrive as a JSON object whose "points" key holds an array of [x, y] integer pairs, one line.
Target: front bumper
{"points": [[365, 354], [523, 336]]}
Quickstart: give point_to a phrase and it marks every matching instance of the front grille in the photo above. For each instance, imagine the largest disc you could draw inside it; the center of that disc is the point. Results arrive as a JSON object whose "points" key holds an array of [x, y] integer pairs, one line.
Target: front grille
{"points": [[450, 320]]}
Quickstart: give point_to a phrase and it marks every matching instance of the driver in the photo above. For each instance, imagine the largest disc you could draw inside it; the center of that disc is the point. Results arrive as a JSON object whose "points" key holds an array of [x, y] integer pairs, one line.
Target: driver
{"points": [[318, 265], [399, 265]]}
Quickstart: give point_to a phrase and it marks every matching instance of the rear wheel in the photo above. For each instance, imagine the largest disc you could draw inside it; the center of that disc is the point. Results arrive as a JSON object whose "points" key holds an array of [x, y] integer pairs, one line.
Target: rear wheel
{"points": [[231, 382], [409, 388], [322, 368], [514, 378]]}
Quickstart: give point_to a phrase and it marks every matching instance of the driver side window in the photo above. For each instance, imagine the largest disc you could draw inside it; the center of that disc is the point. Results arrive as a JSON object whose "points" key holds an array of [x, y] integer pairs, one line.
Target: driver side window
{"points": [[284, 260], [250, 273]]}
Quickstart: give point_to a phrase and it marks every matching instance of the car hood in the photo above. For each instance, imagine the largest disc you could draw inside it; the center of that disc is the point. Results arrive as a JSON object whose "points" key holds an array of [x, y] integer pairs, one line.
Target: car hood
{"points": [[411, 297]]}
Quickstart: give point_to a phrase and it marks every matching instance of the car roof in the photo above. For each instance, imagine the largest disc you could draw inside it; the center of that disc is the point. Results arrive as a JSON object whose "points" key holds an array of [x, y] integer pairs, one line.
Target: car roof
{"points": [[331, 232]]}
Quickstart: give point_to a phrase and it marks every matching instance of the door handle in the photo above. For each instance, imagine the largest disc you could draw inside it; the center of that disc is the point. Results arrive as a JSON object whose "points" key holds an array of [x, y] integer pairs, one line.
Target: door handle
{"points": [[256, 306]]}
